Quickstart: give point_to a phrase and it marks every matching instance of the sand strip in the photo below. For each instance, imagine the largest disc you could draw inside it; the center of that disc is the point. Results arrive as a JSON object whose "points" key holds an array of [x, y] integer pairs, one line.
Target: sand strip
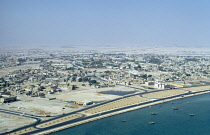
{"points": [[115, 113]]}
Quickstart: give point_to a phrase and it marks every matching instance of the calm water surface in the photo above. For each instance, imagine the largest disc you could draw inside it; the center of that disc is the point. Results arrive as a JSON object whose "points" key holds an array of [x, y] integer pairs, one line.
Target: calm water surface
{"points": [[120, 93], [167, 121]]}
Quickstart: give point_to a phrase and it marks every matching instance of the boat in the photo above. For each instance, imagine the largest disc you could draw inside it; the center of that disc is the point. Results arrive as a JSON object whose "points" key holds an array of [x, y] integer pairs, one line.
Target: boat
{"points": [[124, 121], [174, 108], [153, 113], [191, 114], [151, 123]]}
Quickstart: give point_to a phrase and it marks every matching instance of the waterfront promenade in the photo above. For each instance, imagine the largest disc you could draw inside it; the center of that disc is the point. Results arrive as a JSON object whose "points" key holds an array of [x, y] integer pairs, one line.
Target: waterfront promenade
{"points": [[110, 108]]}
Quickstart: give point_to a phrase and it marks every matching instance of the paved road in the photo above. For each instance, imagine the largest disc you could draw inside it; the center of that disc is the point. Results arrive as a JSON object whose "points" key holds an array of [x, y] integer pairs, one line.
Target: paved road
{"points": [[60, 116], [24, 115], [107, 112], [92, 116], [79, 119], [20, 114]]}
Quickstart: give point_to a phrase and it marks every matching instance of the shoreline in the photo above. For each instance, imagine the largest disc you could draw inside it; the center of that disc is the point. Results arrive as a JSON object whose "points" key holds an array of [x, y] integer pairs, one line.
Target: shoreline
{"points": [[117, 112]]}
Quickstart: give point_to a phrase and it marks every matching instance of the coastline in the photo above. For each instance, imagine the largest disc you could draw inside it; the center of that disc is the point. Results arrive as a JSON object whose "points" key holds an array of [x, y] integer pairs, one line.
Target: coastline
{"points": [[117, 112]]}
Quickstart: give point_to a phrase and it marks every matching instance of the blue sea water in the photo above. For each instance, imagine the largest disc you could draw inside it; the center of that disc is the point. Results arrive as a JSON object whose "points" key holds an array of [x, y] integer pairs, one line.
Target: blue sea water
{"points": [[167, 121]]}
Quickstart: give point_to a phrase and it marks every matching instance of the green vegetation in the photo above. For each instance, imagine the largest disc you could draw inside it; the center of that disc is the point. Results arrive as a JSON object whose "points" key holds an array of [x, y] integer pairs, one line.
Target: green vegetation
{"points": [[188, 74], [93, 82], [205, 72], [70, 68], [155, 60], [144, 76]]}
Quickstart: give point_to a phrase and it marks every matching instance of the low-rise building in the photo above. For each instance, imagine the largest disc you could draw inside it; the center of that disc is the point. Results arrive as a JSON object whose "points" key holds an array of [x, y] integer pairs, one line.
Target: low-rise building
{"points": [[84, 102], [7, 98]]}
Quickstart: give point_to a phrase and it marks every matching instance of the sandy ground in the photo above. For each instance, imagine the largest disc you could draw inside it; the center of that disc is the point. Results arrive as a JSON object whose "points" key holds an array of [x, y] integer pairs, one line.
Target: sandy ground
{"points": [[79, 96], [139, 49], [163, 94], [9, 122], [47, 124], [144, 86], [5, 71], [23, 131], [121, 103], [57, 121], [91, 94], [201, 88], [38, 106], [108, 115], [44, 106], [116, 104]]}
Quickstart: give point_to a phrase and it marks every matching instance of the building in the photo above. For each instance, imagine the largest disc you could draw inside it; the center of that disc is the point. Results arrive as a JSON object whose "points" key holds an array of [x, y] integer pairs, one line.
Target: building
{"points": [[84, 102], [162, 86], [7, 98], [149, 83]]}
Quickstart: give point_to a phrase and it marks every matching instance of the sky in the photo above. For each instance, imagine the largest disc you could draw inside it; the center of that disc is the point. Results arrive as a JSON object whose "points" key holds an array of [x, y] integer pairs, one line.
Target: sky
{"points": [[105, 22]]}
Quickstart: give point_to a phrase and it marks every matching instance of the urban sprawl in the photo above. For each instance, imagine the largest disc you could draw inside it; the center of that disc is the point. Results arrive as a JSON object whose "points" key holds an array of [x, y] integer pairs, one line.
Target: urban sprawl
{"points": [[40, 88]]}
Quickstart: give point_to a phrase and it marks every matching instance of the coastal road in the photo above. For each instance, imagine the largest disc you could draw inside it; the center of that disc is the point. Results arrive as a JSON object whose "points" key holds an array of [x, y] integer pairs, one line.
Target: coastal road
{"points": [[108, 112], [20, 114], [92, 116], [63, 115], [24, 115]]}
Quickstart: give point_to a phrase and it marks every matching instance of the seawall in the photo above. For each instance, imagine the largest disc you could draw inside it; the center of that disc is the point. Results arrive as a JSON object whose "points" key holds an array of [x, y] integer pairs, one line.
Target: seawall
{"points": [[115, 113]]}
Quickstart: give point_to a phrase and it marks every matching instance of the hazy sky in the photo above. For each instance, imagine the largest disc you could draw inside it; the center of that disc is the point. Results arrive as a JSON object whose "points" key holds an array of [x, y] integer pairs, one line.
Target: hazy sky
{"points": [[105, 22]]}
